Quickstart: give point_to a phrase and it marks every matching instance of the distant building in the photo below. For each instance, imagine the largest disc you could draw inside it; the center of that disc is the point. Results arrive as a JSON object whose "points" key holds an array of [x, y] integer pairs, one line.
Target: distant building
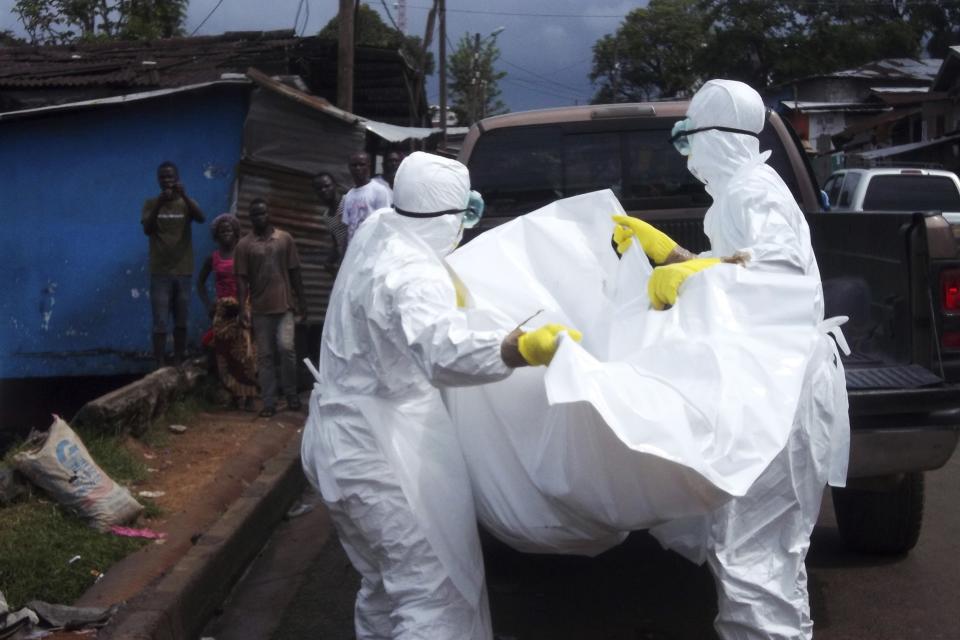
{"points": [[920, 128], [823, 105]]}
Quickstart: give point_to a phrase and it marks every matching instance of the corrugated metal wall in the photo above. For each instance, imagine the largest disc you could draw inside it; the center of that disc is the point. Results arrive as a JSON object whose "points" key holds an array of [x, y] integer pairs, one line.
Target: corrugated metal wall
{"points": [[293, 207]]}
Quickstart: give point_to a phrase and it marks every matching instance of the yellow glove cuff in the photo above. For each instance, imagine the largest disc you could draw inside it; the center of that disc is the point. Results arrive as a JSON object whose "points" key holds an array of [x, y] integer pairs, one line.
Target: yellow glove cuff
{"points": [[539, 346]]}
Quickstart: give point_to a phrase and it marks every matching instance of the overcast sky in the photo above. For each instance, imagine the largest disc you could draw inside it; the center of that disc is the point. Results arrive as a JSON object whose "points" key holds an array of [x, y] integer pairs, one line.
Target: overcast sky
{"points": [[545, 46]]}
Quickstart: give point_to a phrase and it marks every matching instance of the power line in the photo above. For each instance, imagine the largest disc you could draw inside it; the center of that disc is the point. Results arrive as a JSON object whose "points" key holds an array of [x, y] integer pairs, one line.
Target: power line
{"points": [[522, 84], [537, 75], [204, 21], [529, 15], [824, 3]]}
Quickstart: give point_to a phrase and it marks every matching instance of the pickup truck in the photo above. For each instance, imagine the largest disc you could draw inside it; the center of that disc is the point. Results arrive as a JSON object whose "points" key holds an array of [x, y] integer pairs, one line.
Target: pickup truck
{"points": [[896, 275], [903, 189]]}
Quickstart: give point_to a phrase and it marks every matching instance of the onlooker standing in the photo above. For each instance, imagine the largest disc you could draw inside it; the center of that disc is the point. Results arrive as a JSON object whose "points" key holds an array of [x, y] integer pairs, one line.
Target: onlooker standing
{"points": [[268, 267], [331, 199], [366, 197], [167, 220], [391, 162], [232, 343]]}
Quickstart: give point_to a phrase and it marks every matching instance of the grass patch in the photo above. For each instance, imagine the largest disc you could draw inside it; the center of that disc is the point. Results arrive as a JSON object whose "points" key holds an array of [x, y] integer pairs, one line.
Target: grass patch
{"points": [[38, 539]]}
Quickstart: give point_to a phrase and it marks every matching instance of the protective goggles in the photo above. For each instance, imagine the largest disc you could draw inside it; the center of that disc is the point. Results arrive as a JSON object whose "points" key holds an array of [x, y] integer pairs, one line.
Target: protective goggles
{"points": [[471, 213], [681, 131]]}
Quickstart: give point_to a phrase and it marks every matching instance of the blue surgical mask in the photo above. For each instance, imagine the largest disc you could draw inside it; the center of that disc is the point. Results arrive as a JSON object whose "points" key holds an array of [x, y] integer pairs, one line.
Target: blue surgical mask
{"points": [[681, 131]]}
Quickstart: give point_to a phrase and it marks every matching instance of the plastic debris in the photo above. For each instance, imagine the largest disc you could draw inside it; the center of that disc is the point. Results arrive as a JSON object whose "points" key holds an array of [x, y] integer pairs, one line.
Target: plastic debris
{"points": [[37, 619], [73, 559], [152, 494], [177, 428], [130, 532], [66, 617]]}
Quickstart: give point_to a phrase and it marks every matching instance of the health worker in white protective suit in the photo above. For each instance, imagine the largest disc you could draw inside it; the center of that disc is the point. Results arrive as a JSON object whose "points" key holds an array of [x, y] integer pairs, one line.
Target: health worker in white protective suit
{"points": [[379, 444], [755, 545]]}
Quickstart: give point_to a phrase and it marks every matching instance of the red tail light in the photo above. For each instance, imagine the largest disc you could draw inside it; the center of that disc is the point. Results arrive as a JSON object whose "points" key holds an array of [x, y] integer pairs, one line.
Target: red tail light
{"points": [[951, 340], [950, 288]]}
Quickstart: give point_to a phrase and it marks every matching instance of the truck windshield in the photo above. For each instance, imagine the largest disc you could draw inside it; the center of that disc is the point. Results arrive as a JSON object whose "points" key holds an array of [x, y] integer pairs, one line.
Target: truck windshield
{"points": [[518, 170], [523, 168], [911, 193]]}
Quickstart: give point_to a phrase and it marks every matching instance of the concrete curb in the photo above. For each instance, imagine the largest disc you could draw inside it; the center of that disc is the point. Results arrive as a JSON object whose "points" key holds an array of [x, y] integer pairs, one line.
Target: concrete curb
{"points": [[178, 605]]}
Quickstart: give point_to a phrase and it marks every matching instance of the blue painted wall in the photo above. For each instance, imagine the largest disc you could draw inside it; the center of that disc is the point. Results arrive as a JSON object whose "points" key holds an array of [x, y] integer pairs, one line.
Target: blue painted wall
{"points": [[74, 259]]}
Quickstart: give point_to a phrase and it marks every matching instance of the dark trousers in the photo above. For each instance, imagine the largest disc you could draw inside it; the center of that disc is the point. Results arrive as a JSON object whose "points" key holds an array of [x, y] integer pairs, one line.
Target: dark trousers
{"points": [[169, 293], [274, 333]]}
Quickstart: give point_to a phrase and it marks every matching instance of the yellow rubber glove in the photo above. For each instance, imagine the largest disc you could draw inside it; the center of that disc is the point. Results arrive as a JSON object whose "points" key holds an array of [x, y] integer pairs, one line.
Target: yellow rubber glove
{"points": [[537, 347], [665, 281], [656, 244]]}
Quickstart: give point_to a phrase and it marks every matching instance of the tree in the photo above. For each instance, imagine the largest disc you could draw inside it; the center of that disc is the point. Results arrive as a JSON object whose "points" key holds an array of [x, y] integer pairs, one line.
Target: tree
{"points": [[472, 84], [64, 21], [7, 39], [670, 46], [654, 53], [372, 31]]}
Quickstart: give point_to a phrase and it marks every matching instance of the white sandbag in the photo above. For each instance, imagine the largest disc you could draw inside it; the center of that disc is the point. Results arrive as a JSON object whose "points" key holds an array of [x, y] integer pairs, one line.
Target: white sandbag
{"points": [[656, 415], [63, 468]]}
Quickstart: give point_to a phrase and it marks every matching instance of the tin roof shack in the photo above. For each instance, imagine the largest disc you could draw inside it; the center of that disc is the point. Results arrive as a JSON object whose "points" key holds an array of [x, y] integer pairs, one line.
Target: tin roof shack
{"points": [[290, 136], [942, 117], [74, 181], [922, 127], [32, 76], [821, 106]]}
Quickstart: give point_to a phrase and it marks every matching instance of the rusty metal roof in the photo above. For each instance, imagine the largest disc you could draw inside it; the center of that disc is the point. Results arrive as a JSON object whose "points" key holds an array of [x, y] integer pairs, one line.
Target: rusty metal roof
{"points": [[382, 77], [909, 69], [159, 63]]}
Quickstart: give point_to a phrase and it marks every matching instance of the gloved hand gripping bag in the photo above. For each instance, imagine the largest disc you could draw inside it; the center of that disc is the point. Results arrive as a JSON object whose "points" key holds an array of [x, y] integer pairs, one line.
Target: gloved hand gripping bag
{"points": [[655, 415]]}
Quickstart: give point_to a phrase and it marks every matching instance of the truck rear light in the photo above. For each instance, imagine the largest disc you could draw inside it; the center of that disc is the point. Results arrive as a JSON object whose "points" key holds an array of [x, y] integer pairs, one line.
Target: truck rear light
{"points": [[950, 289], [951, 340], [911, 172]]}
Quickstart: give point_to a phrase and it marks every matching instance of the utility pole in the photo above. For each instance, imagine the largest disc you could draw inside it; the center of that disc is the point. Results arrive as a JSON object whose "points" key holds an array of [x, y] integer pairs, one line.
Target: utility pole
{"points": [[345, 57], [475, 80], [443, 73]]}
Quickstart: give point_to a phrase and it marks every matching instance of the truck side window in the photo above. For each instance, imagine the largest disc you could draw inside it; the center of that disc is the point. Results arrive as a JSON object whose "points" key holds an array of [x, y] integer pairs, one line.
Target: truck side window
{"points": [[770, 141], [849, 186], [833, 188]]}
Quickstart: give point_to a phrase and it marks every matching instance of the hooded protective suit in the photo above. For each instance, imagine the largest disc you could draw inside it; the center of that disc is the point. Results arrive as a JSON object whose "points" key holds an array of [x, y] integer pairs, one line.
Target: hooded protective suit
{"points": [[756, 545], [379, 444]]}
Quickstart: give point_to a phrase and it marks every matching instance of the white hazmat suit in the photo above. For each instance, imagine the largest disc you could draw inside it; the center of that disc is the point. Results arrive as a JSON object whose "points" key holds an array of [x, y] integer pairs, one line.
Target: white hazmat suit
{"points": [[379, 444], [756, 545]]}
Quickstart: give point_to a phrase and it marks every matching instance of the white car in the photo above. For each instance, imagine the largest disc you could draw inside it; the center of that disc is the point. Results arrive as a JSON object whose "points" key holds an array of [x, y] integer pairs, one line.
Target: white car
{"points": [[893, 189]]}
